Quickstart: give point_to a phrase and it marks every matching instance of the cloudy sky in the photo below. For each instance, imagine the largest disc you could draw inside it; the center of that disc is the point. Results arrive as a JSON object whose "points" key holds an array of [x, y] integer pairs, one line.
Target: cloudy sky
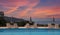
{"points": [[33, 8]]}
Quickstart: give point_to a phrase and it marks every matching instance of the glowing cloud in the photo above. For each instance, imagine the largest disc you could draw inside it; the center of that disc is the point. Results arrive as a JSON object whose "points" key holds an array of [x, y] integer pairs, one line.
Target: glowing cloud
{"points": [[33, 8]]}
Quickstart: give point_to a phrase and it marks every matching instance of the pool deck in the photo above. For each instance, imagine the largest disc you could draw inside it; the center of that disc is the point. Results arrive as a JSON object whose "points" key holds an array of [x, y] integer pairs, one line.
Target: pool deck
{"points": [[22, 27]]}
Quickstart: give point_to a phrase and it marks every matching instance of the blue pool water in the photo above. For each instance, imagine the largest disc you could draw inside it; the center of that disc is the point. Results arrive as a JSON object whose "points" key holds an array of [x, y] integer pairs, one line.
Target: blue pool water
{"points": [[30, 31]]}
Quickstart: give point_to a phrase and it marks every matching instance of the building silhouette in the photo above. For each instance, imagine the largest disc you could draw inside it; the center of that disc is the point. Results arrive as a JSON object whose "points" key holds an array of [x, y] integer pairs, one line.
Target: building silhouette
{"points": [[53, 20], [30, 21]]}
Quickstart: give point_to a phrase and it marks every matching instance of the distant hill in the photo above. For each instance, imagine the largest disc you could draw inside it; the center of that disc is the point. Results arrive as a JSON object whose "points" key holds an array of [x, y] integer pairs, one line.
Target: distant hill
{"points": [[13, 19], [20, 22]]}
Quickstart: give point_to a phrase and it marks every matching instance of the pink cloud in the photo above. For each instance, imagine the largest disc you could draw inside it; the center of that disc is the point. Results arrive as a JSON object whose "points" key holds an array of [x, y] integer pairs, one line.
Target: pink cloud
{"points": [[43, 12], [15, 4], [47, 11]]}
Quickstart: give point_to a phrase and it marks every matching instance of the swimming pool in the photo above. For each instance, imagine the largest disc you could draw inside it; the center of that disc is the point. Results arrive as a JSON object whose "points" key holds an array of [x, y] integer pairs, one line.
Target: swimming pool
{"points": [[29, 31]]}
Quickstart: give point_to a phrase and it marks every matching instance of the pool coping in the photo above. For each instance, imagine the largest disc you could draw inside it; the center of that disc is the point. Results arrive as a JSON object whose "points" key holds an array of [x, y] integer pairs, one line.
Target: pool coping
{"points": [[22, 27]]}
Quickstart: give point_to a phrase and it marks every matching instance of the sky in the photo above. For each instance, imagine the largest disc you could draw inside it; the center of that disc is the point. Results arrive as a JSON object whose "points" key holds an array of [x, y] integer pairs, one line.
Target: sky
{"points": [[31, 8]]}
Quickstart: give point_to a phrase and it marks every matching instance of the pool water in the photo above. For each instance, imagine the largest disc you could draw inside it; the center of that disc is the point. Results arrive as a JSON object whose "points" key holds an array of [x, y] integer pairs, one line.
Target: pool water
{"points": [[29, 31]]}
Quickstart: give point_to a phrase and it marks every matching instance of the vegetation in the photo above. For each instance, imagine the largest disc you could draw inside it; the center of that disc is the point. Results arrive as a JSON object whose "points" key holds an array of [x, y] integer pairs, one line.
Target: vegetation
{"points": [[22, 23], [2, 22]]}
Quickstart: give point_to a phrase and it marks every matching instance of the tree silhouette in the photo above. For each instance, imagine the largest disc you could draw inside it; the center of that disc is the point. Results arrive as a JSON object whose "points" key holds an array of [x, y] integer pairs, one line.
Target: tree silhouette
{"points": [[2, 22]]}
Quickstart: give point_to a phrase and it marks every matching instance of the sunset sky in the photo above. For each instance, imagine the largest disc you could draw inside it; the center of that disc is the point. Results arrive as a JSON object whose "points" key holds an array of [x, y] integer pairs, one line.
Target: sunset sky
{"points": [[33, 8]]}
